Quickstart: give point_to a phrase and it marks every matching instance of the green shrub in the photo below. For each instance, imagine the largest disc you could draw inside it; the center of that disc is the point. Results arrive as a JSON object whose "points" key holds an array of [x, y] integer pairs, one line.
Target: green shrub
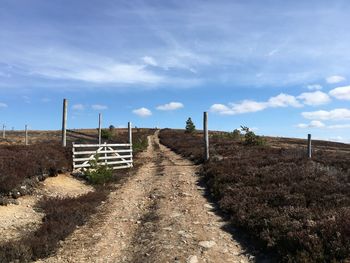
{"points": [[106, 134], [140, 144], [98, 173], [250, 138], [236, 135]]}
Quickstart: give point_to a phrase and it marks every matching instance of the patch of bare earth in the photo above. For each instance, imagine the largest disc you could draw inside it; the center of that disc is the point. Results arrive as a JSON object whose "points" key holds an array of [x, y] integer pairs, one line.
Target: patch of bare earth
{"points": [[64, 185], [158, 215], [15, 220]]}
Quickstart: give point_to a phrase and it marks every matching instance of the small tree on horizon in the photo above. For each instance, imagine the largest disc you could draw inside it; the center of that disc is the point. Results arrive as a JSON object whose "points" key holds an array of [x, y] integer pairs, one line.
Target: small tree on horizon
{"points": [[190, 127]]}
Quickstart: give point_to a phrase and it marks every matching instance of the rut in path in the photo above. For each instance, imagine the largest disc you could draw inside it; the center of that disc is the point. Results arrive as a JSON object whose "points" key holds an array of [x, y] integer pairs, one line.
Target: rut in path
{"points": [[158, 215]]}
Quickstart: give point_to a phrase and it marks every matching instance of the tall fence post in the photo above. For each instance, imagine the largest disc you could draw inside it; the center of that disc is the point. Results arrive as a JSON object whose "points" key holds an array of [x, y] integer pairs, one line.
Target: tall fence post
{"points": [[64, 123], [105, 148], [3, 131], [99, 127], [73, 154], [26, 135], [130, 139], [309, 147], [206, 135]]}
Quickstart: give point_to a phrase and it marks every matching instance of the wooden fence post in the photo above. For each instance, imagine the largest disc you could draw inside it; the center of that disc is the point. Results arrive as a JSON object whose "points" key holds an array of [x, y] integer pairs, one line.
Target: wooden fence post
{"points": [[73, 155], [3, 131], [309, 148], [129, 133], [130, 139], [105, 148], [64, 123], [26, 135], [99, 128], [206, 136]]}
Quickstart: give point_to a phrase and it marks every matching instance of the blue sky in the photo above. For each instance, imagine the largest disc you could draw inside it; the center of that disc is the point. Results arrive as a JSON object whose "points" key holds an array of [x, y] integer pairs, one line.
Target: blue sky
{"points": [[280, 67]]}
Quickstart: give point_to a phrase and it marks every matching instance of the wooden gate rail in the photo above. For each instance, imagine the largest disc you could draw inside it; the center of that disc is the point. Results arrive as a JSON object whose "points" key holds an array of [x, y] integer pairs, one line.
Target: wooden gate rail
{"points": [[117, 156]]}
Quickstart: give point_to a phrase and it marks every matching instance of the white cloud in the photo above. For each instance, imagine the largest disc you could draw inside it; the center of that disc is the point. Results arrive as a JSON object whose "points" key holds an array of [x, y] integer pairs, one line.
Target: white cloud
{"points": [[116, 73], [335, 79], [221, 109], [99, 107], [314, 98], [150, 61], [248, 106], [170, 106], [341, 93], [142, 112], [281, 100], [314, 87], [78, 107], [3, 105], [319, 124], [336, 114], [339, 126], [67, 64], [312, 124]]}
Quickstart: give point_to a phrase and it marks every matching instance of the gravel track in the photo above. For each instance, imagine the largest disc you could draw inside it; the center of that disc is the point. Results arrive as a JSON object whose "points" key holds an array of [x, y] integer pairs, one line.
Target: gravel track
{"points": [[158, 215]]}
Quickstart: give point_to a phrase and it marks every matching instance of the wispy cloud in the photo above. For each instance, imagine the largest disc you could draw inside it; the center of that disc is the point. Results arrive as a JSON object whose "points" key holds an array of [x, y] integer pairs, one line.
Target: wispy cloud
{"points": [[78, 107], [336, 114], [170, 106], [312, 124], [149, 61], [314, 87], [335, 79], [246, 106], [3, 105], [93, 70], [99, 107], [339, 126], [319, 124], [180, 42], [142, 112]]}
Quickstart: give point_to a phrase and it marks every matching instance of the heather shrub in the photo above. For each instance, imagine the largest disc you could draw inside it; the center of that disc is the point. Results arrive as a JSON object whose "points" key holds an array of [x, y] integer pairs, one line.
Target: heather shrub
{"points": [[107, 134], [18, 162], [296, 208], [98, 173], [140, 144], [250, 138], [62, 216]]}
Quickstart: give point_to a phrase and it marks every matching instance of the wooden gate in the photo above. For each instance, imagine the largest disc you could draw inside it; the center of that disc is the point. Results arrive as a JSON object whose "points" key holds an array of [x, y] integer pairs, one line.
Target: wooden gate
{"points": [[116, 156]]}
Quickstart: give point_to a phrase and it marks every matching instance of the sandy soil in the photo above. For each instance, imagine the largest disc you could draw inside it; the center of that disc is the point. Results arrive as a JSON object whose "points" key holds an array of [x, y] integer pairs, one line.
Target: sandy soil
{"points": [[18, 219], [158, 215], [64, 185]]}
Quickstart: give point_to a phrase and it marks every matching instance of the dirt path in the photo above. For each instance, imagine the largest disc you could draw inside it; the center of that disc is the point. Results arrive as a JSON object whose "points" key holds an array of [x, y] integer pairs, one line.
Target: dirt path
{"points": [[159, 215]]}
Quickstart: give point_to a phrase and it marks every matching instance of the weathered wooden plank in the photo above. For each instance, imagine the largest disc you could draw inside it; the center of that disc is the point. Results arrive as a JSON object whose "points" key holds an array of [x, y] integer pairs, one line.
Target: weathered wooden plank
{"points": [[103, 163], [102, 151], [102, 158], [99, 145], [122, 167]]}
